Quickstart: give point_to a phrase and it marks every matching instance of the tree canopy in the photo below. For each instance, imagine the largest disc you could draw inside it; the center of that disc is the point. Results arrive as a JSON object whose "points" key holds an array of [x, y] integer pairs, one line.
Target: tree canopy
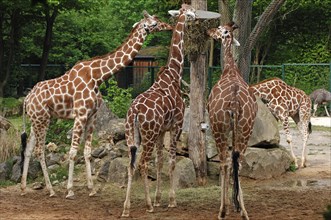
{"points": [[300, 33]]}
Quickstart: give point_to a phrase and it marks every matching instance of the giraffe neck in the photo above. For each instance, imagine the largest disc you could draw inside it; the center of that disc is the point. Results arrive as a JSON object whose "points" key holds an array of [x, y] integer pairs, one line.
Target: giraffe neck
{"points": [[176, 54], [123, 56], [229, 63]]}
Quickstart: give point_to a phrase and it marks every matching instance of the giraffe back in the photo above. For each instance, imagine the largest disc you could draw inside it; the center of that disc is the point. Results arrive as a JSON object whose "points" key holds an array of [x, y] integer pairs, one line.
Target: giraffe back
{"points": [[281, 97]]}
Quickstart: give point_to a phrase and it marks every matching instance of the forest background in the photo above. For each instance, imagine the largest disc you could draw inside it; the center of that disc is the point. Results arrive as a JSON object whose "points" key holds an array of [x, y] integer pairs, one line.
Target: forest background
{"points": [[64, 32]]}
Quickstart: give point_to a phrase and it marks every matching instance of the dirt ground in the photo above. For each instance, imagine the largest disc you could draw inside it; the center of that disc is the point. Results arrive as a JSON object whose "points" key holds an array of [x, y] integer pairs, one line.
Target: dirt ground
{"points": [[303, 194]]}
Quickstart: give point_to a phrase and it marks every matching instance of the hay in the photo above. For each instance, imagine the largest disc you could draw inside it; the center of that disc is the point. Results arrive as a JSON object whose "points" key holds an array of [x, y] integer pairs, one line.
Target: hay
{"points": [[196, 38]]}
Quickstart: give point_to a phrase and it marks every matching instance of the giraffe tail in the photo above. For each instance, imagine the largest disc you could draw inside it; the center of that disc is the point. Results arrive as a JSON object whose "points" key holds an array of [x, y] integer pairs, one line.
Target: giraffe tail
{"points": [[235, 175], [310, 127], [24, 138], [235, 105], [133, 149]]}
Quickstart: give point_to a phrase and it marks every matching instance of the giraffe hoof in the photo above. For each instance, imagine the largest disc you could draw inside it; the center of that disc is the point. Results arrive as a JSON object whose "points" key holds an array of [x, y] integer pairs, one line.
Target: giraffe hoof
{"points": [[174, 205], [93, 193], [70, 195], [125, 214], [156, 204], [150, 210], [52, 194], [23, 193]]}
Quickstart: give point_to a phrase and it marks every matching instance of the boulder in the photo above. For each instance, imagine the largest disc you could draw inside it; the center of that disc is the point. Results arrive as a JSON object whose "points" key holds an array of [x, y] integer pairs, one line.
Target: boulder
{"points": [[4, 171], [104, 115], [184, 174], [4, 123], [265, 131], [265, 163], [118, 171], [113, 131]]}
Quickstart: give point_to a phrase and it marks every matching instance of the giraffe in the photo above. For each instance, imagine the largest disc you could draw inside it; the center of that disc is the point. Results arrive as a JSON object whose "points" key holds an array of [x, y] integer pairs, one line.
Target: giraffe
{"points": [[285, 101], [320, 96], [75, 95], [232, 107], [157, 110]]}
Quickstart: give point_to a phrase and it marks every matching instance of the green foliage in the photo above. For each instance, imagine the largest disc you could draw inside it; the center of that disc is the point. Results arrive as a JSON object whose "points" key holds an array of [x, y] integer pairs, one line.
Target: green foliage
{"points": [[327, 213], [144, 85], [5, 183], [118, 99], [292, 167], [9, 102], [57, 132], [59, 174]]}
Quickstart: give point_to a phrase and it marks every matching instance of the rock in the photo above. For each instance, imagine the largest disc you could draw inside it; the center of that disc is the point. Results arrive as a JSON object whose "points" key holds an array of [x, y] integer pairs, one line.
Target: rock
{"points": [[265, 163], [184, 174], [53, 158], [99, 152], [104, 115], [37, 185], [118, 171], [52, 147], [4, 171], [103, 174], [4, 123], [265, 131], [33, 171], [213, 169]]}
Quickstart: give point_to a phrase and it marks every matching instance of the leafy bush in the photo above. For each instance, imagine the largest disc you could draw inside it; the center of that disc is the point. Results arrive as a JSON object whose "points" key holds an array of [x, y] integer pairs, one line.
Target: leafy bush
{"points": [[143, 86], [327, 213], [118, 99], [57, 131]]}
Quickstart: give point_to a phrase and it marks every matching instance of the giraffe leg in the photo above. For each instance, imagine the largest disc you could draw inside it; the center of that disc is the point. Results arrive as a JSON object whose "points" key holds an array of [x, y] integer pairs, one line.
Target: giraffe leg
{"points": [[243, 212], [76, 134], [40, 153], [127, 203], [224, 177], [159, 164], [174, 134], [285, 121], [144, 173], [27, 155], [87, 152], [303, 125]]}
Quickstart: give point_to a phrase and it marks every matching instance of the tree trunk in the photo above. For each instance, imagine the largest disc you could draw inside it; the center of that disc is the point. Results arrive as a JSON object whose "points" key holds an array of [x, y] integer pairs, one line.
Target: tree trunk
{"points": [[196, 136], [260, 26], [242, 17], [1, 53], [7, 64], [50, 19]]}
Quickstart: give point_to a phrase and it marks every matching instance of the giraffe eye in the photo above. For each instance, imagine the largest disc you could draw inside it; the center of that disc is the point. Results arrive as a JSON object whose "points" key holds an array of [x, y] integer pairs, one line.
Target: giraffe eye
{"points": [[226, 32]]}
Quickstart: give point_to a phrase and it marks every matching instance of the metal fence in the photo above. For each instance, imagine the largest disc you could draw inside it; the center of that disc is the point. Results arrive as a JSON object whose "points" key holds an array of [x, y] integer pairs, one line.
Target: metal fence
{"points": [[305, 76]]}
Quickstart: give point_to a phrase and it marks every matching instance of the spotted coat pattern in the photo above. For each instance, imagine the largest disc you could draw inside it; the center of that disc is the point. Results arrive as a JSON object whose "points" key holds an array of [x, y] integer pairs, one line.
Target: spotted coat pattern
{"points": [[286, 101], [75, 95], [156, 111], [232, 107]]}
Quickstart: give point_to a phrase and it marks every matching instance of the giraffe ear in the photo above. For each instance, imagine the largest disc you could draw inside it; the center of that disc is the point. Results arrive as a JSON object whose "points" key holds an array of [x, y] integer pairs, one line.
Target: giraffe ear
{"points": [[135, 24], [235, 42], [211, 32], [173, 13], [146, 15]]}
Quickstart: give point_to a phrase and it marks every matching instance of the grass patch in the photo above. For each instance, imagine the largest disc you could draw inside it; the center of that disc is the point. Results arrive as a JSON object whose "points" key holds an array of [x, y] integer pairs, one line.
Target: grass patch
{"points": [[5, 183], [9, 144]]}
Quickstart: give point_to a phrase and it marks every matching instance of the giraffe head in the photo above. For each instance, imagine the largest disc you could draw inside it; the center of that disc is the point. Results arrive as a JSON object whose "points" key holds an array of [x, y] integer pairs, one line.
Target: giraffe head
{"points": [[151, 23], [187, 10], [225, 33]]}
